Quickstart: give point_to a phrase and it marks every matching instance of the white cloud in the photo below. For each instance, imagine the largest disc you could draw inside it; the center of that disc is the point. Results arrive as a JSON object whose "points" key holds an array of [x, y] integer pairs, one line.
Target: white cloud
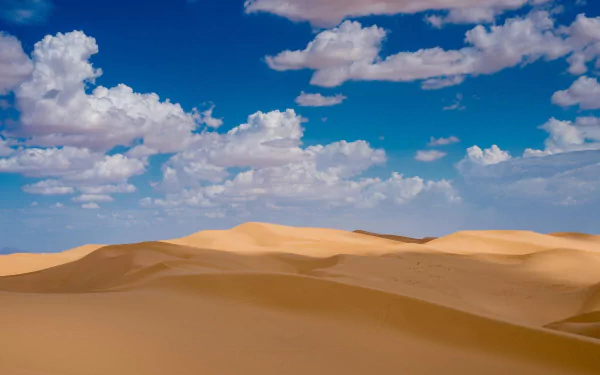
{"points": [[489, 156], [472, 15], [25, 11], [318, 100], [331, 12], [267, 139], [57, 205], [57, 111], [457, 104], [207, 118], [15, 65], [443, 141], [485, 12], [344, 45], [584, 35], [108, 189], [345, 159], [429, 155], [303, 185], [113, 169], [351, 52], [440, 83], [584, 92], [72, 164], [34, 204], [567, 179], [5, 149], [73, 168], [90, 206], [93, 198], [326, 175], [37, 162], [48, 187], [435, 21], [567, 136]]}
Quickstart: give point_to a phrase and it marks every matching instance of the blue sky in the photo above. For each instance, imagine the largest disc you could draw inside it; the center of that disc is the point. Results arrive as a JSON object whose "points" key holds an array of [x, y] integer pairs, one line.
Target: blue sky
{"points": [[84, 160]]}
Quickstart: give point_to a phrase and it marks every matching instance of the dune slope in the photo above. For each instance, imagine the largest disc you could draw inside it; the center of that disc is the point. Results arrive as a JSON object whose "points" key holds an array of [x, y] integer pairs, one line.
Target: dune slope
{"points": [[17, 263], [397, 238], [265, 299]]}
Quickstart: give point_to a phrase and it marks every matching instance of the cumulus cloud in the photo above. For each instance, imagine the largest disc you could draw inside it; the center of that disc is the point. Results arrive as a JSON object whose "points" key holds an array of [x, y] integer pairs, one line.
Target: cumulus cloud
{"points": [[488, 156], [90, 206], [206, 117], [93, 198], [344, 45], [584, 35], [267, 139], [568, 136], [305, 186], [72, 164], [485, 12], [443, 141], [283, 173], [329, 13], [5, 148], [108, 189], [351, 52], [15, 65], [429, 155], [56, 110], [48, 187], [37, 162], [584, 92], [318, 100], [556, 180], [111, 169]]}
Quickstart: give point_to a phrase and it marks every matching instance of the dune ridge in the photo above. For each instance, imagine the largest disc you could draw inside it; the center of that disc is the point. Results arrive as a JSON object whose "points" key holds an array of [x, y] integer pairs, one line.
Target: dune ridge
{"points": [[18, 263], [302, 300], [397, 238]]}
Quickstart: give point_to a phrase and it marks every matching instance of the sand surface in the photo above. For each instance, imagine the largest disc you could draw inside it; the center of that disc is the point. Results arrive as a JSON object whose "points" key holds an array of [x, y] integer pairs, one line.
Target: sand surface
{"points": [[268, 299], [15, 264]]}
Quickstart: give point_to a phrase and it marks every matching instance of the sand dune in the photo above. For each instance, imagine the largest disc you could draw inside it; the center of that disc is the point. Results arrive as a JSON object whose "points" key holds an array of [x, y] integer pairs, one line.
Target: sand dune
{"points": [[585, 324], [267, 299], [397, 238], [260, 238], [14, 264]]}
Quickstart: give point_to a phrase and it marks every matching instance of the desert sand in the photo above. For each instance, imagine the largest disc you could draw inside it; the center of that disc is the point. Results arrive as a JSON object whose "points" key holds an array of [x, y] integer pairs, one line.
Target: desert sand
{"points": [[269, 299]]}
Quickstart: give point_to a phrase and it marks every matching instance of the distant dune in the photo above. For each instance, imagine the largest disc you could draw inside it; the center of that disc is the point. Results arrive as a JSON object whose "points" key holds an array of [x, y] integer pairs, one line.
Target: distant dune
{"points": [[397, 238], [269, 299], [18, 263]]}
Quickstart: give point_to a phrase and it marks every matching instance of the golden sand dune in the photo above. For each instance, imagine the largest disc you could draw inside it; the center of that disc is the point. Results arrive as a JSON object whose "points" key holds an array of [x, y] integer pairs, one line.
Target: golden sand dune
{"points": [[577, 236], [258, 238], [397, 238], [14, 264], [266, 299], [585, 324], [508, 242]]}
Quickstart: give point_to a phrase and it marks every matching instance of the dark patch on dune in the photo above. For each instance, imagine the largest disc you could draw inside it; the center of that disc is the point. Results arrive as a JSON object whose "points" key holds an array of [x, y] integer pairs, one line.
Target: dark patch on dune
{"points": [[397, 238]]}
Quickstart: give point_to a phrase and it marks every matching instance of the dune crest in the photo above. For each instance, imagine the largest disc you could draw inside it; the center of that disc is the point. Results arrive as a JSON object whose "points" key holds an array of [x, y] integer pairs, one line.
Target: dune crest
{"points": [[397, 238], [18, 263], [306, 300], [260, 238]]}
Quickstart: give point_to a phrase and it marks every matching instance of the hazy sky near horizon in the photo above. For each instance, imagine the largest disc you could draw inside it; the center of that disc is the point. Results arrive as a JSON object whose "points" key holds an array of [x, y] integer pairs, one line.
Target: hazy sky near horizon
{"points": [[124, 122]]}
